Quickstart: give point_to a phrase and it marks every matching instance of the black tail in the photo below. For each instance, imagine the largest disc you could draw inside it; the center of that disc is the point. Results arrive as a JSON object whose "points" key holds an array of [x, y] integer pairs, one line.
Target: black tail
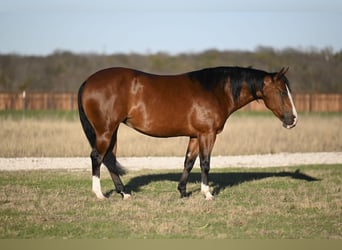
{"points": [[87, 127]]}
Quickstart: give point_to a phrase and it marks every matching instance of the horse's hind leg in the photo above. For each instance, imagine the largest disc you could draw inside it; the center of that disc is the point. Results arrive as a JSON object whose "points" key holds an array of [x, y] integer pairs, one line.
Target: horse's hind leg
{"points": [[96, 160], [102, 153], [114, 168]]}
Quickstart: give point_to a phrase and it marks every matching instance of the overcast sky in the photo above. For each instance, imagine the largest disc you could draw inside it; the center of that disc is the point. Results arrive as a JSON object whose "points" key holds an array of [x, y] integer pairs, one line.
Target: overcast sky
{"points": [[40, 27]]}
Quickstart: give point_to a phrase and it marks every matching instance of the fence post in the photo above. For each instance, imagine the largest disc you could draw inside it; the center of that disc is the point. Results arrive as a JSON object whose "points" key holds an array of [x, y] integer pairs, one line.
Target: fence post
{"points": [[24, 100], [71, 96], [310, 102]]}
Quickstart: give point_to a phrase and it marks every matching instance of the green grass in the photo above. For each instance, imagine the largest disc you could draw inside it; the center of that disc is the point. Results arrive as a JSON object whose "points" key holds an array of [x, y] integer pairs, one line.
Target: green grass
{"points": [[39, 114], [268, 203]]}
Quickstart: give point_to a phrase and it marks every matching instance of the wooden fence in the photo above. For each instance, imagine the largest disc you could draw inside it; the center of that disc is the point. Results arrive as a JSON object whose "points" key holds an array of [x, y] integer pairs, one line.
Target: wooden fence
{"points": [[38, 101], [68, 101]]}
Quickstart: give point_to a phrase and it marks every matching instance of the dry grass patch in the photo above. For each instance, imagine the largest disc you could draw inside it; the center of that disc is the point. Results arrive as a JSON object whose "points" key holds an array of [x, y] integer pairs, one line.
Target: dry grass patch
{"points": [[243, 134], [48, 137]]}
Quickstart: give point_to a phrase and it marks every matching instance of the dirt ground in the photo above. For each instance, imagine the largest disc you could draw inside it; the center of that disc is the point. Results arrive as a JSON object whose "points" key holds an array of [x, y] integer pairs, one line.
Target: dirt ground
{"points": [[138, 163]]}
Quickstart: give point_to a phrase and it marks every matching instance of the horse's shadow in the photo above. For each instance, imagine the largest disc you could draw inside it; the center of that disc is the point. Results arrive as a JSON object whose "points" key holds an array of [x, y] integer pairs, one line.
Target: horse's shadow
{"points": [[219, 181]]}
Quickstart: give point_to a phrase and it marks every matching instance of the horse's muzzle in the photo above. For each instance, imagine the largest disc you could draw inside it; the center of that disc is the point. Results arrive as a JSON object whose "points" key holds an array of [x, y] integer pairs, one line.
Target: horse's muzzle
{"points": [[289, 121]]}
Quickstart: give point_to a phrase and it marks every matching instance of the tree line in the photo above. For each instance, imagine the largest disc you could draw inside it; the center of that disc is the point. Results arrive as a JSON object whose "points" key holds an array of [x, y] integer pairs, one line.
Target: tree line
{"points": [[312, 71]]}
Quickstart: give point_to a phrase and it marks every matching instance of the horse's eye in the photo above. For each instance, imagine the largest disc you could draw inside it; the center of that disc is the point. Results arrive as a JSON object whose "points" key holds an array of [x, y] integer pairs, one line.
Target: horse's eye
{"points": [[283, 93]]}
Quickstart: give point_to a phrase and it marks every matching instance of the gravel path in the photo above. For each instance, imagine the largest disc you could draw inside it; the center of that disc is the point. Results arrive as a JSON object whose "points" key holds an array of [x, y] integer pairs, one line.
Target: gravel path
{"points": [[138, 163]]}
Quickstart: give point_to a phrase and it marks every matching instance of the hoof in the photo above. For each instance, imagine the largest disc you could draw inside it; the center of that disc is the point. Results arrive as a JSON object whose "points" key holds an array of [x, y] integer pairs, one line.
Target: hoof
{"points": [[209, 196], [185, 195], [126, 196], [206, 192], [101, 197]]}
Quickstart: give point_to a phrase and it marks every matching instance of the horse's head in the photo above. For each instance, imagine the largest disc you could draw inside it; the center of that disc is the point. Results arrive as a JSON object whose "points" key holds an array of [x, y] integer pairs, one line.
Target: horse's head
{"points": [[277, 97]]}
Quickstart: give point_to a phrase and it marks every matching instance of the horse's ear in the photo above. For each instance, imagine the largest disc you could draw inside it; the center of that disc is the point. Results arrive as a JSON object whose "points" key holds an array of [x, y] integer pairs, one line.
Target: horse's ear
{"points": [[282, 72]]}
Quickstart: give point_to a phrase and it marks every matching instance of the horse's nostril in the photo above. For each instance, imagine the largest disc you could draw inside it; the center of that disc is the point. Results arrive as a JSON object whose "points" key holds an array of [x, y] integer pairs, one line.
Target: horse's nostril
{"points": [[293, 117], [290, 120]]}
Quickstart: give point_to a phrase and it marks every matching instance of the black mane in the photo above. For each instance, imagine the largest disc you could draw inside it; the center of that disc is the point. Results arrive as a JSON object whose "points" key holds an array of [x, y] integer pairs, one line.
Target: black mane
{"points": [[210, 78]]}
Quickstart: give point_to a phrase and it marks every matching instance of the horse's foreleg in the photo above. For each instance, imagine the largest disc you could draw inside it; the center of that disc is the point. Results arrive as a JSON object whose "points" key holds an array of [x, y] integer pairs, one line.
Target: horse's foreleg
{"points": [[190, 158], [205, 167], [206, 143], [96, 163]]}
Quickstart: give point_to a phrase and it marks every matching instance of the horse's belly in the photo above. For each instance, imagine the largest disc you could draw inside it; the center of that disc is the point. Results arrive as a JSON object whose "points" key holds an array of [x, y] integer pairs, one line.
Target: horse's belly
{"points": [[160, 127]]}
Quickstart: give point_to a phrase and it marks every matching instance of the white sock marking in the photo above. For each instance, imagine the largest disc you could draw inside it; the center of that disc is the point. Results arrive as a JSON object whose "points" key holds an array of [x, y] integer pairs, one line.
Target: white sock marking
{"points": [[125, 196], [206, 192], [97, 188]]}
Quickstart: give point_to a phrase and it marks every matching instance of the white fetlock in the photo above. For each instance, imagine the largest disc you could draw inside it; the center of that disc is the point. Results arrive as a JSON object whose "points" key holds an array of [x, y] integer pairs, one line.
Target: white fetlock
{"points": [[206, 192], [125, 196], [97, 188], [100, 196], [209, 196]]}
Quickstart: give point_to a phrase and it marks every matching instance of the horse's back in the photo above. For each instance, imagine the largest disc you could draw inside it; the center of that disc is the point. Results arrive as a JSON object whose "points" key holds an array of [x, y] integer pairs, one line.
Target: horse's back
{"points": [[110, 76], [134, 85]]}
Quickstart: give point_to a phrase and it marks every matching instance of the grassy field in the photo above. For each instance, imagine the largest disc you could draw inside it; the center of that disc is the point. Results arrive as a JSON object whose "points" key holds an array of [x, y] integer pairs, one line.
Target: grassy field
{"points": [[271, 203], [259, 203], [59, 134]]}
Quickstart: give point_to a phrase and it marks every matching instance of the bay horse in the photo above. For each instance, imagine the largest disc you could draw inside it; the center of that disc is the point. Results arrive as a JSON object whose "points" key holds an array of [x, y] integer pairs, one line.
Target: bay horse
{"points": [[194, 104]]}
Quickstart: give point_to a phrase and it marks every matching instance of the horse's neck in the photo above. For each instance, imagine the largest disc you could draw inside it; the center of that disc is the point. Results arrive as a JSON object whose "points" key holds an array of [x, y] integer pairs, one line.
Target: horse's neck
{"points": [[244, 99]]}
